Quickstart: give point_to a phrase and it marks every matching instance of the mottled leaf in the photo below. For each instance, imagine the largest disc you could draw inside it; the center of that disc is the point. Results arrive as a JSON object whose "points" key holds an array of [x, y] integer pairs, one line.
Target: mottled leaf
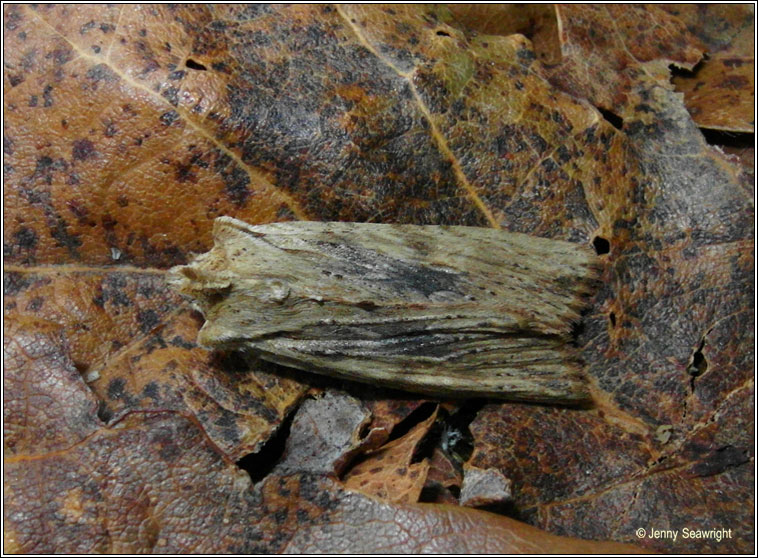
{"points": [[720, 93], [390, 472]]}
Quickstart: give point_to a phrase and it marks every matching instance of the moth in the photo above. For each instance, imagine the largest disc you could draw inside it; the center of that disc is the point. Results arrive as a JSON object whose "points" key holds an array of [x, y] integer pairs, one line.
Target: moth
{"points": [[441, 310]]}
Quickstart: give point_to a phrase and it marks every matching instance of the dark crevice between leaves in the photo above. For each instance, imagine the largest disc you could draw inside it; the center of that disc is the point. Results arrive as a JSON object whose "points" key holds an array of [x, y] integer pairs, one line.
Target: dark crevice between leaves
{"points": [[613, 119], [678, 71], [259, 464], [451, 434], [577, 330], [414, 418], [104, 413], [417, 416], [508, 509], [723, 138]]}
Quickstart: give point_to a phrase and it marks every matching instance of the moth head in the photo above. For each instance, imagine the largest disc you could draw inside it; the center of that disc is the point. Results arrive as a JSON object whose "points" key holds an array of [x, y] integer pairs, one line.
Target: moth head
{"points": [[205, 280], [241, 312]]}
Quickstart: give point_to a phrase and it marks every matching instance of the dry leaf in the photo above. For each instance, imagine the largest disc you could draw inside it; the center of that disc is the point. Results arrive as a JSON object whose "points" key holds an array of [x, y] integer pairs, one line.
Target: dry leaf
{"points": [[154, 482], [389, 472], [720, 94], [483, 487]]}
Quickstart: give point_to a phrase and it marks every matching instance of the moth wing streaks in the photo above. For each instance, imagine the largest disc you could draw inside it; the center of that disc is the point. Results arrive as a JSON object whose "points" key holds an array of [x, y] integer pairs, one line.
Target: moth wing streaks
{"points": [[454, 310]]}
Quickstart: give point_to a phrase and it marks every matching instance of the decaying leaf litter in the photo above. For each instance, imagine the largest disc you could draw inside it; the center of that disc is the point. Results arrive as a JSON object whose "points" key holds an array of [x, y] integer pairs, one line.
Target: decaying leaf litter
{"points": [[419, 121]]}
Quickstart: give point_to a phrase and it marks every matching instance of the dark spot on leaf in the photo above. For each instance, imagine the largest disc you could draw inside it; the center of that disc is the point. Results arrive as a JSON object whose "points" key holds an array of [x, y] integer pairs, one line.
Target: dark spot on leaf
{"points": [[14, 282], [85, 28], [101, 72], [26, 238], [151, 390], [60, 233], [168, 118], [177, 341], [236, 185], [147, 320], [35, 304], [735, 82], [526, 56], [165, 440], [116, 388], [60, 55], [83, 149], [171, 95], [720, 460], [48, 96]]}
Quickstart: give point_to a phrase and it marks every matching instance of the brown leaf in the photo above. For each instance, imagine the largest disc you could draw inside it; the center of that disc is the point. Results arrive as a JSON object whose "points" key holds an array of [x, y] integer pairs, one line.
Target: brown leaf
{"points": [[41, 388], [389, 472], [388, 409], [123, 112], [442, 476], [677, 230], [153, 482], [720, 94], [537, 22], [609, 50], [431, 529], [134, 343]]}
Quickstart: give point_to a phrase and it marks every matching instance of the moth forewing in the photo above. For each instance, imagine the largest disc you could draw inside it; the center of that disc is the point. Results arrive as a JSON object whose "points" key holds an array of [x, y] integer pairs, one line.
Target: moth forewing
{"points": [[436, 309]]}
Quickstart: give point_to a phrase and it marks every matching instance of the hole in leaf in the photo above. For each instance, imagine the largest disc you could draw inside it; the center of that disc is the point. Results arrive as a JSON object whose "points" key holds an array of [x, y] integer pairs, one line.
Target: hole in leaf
{"points": [[443, 33], [601, 245], [698, 365], [193, 65], [612, 317], [614, 119]]}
